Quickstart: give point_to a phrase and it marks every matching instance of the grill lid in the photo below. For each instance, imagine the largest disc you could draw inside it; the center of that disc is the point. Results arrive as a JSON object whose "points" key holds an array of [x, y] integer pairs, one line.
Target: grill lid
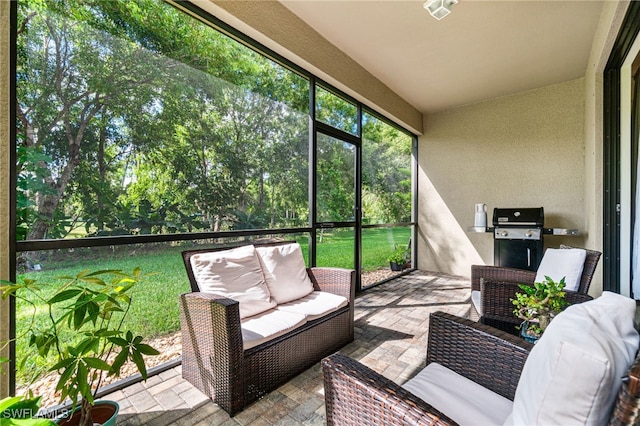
{"points": [[533, 216]]}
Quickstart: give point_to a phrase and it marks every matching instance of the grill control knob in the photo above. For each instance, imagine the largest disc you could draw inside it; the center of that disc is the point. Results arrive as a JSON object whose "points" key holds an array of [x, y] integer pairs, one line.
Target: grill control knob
{"points": [[504, 233], [528, 234]]}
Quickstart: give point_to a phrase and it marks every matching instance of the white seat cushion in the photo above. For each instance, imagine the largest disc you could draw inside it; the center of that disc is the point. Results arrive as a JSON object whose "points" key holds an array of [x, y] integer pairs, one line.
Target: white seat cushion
{"points": [[573, 373], [268, 325], [285, 272], [462, 399], [235, 274], [562, 263], [475, 299], [315, 305]]}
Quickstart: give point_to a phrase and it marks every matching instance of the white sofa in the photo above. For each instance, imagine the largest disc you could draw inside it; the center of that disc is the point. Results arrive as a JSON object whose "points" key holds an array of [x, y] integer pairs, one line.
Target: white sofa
{"points": [[257, 317]]}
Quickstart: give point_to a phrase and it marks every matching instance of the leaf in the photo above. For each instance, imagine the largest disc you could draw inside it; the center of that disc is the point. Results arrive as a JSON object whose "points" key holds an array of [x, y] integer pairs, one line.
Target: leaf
{"points": [[28, 422], [9, 401], [93, 310], [87, 345], [101, 272], [106, 333], [67, 379], [119, 341], [139, 361], [118, 362], [146, 349], [94, 362], [64, 295], [78, 315], [82, 375], [63, 363]]}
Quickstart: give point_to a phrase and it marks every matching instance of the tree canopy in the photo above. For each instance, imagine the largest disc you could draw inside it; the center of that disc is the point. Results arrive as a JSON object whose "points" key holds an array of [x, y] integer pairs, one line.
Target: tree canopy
{"points": [[135, 118]]}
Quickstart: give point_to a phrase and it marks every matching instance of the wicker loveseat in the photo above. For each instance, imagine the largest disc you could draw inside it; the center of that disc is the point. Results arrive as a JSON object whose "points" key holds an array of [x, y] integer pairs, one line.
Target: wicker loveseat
{"points": [[493, 361], [220, 353]]}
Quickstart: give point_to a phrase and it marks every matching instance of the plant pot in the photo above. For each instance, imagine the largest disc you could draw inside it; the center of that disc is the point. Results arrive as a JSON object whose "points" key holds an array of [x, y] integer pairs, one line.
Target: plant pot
{"points": [[104, 413], [526, 334], [396, 266]]}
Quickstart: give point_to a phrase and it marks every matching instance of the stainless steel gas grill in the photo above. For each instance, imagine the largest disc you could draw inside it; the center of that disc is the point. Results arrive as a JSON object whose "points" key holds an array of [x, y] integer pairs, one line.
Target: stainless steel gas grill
{"points": [[518, 237]]}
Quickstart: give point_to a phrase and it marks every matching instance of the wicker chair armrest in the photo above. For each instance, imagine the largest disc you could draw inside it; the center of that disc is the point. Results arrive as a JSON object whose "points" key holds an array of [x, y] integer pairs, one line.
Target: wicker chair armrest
{"points": [[499, 273], [356, 395], [212, 322], [486, 355], [334, 280], [211, 340], [573, 297]]}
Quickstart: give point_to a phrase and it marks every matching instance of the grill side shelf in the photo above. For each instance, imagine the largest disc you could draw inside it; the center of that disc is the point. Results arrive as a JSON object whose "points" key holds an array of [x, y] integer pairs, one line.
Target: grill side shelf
{"points": [[560, 231]]}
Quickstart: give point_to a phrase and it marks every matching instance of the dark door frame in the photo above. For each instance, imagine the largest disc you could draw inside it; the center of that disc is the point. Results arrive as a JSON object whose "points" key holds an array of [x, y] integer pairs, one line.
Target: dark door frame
{"points": [[611, 141]]}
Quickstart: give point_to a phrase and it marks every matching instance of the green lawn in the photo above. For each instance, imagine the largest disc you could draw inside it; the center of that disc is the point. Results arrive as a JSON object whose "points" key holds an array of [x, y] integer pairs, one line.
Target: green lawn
{"points": [[154, 310]]}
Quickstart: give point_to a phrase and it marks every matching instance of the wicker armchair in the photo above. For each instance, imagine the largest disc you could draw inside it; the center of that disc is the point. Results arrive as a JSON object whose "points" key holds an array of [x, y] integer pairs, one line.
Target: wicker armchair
{"points": [[356, 395], [498, 285]]}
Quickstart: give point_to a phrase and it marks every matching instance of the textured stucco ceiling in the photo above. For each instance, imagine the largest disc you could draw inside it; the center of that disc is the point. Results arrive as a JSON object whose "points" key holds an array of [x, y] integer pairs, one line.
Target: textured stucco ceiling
{"points": [[482, 50]]}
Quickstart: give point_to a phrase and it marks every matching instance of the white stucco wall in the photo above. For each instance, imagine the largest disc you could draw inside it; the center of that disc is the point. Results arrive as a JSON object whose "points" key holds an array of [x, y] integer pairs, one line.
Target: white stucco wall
{"points": [[522, 150]]}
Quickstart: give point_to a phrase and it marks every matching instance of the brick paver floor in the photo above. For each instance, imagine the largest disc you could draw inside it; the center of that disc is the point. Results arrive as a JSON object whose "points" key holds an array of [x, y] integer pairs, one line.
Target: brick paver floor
{"points": [[391, 323]]}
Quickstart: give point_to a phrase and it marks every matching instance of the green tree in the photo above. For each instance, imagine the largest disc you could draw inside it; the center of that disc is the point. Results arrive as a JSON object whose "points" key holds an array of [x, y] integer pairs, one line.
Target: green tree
{"points": [[144, 111]]}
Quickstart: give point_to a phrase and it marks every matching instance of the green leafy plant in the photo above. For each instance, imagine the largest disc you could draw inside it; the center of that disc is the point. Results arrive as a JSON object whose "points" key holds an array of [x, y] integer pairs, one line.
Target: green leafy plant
{"points": [[93, 306], [539, 303], [22, 411], [398, 256]]}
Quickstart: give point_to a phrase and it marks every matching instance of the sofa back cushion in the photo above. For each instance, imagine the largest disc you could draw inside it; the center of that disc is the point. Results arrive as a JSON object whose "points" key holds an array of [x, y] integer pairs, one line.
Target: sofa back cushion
{"points": [[285, 272], [562, 263], [235, 274], [574, 372]]}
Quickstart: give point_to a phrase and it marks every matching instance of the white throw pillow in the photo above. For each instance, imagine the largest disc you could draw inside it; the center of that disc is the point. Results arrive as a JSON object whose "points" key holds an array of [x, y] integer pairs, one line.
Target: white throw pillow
{"points": [[285, 272], [559, 263], [574, 372], [235, 274]]}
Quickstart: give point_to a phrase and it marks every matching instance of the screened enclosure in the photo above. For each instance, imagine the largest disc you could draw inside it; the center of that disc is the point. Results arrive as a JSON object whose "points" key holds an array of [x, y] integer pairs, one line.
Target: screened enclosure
{"points": [[144, 128]]}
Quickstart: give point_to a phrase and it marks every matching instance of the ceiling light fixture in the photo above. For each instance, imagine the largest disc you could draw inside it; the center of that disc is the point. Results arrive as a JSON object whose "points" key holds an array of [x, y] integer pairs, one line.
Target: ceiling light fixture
{"points": [[439, 8]]}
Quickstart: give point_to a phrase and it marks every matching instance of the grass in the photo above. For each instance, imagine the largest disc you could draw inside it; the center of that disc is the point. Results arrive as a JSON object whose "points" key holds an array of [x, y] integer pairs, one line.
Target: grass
{"points": [[154, 310]]}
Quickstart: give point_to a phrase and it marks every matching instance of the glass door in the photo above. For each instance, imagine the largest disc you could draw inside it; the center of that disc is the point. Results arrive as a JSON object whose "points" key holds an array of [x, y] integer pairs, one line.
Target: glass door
{"points": [[335, 201]]}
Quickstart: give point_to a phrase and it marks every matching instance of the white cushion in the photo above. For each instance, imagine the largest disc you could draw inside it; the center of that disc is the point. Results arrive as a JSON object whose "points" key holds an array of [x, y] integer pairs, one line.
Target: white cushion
{"points": [[268, 325], [462, 399], [475, 299], [285, 272], [559, 263], [315, 305], [235, 274], [573, 373]]}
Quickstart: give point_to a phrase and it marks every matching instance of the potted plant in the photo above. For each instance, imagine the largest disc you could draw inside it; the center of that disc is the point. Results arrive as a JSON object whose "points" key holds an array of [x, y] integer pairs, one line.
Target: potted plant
{"points": [[83, 337], [537, 304], [397, 259]]}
